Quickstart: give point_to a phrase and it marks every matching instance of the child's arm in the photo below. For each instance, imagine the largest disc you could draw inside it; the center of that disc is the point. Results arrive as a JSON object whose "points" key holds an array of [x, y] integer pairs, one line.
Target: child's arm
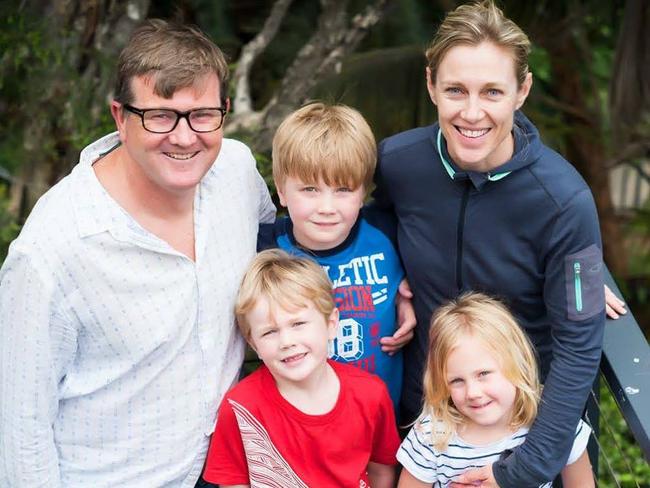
{"points": [[381, 475], [578, 474], [407, 480]]}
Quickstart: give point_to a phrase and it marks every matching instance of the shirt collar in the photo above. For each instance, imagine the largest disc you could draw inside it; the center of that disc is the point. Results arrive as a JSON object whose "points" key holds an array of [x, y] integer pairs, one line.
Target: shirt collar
{"points": [[354, 231], [477, 178], [95, 211]]}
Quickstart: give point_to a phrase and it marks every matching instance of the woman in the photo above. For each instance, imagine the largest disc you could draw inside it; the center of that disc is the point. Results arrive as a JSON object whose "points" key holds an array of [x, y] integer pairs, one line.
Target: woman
{"points": [[483, 204]]}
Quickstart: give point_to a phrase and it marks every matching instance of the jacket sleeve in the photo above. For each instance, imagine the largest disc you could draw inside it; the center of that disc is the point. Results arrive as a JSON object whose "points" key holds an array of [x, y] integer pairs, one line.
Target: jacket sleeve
{"points": [[36, 344], [266, 238], [575, 303]]}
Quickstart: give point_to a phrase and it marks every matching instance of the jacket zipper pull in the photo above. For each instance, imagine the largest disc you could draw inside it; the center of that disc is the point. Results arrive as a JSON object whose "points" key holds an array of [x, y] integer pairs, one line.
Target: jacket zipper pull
{"points": [[578, 285]]}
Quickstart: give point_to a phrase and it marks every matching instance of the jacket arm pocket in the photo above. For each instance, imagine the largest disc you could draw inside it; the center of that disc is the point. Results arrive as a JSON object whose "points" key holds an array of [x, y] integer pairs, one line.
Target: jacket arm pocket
{"points": [[584, 283]]}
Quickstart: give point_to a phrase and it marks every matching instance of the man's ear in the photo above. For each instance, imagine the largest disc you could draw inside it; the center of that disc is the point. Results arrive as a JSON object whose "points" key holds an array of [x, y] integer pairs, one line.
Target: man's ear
{"points": [[431, 86], [119, 116]]}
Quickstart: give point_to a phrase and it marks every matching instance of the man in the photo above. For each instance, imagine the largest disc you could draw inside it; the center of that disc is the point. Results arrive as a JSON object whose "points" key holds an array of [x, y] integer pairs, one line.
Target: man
{"points": [[117, 338]]}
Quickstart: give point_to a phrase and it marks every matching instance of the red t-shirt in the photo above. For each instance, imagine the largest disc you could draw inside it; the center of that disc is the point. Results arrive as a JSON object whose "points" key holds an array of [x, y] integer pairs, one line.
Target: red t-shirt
{"points": [[262, 440]]}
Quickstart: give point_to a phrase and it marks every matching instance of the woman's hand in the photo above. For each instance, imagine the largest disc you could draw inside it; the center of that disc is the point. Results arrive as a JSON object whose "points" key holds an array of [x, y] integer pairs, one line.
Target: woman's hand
{"points": [[479, 478], [614, 306]]}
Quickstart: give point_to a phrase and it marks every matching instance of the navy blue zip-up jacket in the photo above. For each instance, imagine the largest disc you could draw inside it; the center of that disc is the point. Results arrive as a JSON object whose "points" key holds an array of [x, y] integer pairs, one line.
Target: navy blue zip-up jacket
{"points": [[526, 233]]}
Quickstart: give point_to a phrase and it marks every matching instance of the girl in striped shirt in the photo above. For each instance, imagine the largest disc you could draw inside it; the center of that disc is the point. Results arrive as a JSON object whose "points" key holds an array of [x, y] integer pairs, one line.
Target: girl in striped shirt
{"points": [[481, 394]]}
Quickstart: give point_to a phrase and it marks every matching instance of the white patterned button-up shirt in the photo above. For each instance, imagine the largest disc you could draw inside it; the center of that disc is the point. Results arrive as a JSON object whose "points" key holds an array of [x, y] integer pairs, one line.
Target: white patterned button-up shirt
{"points": [[115, 349]]}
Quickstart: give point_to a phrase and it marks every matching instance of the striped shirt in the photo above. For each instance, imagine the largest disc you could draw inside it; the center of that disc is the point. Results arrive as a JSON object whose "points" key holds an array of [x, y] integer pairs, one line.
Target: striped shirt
{"points": [[428, 465], [115, 349]]}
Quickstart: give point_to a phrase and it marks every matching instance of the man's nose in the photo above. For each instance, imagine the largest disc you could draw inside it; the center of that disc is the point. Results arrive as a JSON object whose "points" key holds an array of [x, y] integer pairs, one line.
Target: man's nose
{"points": [[182, 135]]}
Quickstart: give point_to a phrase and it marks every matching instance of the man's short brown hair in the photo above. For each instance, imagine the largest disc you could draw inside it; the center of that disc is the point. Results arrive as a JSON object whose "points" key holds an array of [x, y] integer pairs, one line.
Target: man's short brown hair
{"points": [[175, 56]]}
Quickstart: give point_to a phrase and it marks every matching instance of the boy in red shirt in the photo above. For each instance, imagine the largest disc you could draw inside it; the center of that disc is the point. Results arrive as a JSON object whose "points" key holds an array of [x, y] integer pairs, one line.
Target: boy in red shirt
{"points": [[300, 420]]}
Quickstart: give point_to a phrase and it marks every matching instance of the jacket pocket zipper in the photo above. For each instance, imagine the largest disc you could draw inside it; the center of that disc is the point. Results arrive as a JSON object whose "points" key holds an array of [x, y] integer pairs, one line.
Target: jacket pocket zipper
{"points": [[578, 285]]}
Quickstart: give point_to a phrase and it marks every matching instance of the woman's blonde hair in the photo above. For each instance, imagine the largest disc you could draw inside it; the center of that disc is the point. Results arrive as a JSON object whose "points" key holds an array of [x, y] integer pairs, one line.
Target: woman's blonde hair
{"points": [[474, 23], [332, 142], [487, 319], [286, 281]]}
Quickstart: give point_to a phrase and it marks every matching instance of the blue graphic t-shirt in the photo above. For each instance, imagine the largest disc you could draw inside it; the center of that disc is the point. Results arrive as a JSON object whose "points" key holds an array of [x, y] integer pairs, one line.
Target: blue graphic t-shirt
{"points": [[365, 271]]}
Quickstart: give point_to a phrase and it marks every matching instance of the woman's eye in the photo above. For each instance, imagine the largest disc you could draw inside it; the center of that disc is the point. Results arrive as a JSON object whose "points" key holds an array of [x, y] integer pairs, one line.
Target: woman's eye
{"points": [[493, 92], [453, 90]]}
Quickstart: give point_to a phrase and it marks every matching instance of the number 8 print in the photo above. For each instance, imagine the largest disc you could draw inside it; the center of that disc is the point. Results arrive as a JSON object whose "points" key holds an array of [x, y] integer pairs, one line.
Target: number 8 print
{"points": [[348, 344]]}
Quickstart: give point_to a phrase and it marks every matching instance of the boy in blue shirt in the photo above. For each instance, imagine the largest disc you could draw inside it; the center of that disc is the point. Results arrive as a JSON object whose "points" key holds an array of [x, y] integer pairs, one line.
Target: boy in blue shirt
{"points": [[323, 163]]}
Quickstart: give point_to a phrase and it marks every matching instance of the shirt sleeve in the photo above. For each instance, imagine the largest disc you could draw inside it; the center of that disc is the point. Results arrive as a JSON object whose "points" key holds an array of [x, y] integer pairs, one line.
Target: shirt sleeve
{"points": [[417, 455], [266, 210], [385, 439], [37, 342], [580, 441], [575, 303], [226, 461]]}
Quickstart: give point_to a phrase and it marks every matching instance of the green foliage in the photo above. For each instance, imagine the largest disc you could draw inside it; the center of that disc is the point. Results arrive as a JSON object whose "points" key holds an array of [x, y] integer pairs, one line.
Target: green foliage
{"points": [[637, 233], [9, 228], [407, 22], [540, 64], [364, 84], [25, 56], [621, 462]]}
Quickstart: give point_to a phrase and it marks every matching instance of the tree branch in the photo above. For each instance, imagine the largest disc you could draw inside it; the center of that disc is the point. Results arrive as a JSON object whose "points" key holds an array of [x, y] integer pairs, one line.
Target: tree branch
{"points": [[631, 150], [250, 52], [334, 38]]}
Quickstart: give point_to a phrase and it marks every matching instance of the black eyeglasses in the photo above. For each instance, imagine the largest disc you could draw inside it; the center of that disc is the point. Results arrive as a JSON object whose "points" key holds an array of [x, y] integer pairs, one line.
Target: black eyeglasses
{"points": [[164, 120]]}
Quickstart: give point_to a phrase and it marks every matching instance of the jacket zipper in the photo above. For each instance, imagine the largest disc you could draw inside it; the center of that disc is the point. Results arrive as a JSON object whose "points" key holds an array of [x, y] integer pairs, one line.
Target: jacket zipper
{"points": [[577, 282], [459, 234]]}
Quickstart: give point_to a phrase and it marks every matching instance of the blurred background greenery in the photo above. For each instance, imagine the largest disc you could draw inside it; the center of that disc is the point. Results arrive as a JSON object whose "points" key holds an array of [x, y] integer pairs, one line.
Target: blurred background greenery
{"points": [[590, 99]]}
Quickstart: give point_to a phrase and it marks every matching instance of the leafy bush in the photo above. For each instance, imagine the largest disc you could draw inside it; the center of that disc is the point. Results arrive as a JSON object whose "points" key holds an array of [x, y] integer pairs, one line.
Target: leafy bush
{"points": [[9, 228], [621, 462]]}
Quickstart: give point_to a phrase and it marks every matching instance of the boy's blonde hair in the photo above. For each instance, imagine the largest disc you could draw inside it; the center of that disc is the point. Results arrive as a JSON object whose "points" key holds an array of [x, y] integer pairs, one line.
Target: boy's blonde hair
{"points": [[487, 319], [474, 23], [286, 281], [332, 142]]}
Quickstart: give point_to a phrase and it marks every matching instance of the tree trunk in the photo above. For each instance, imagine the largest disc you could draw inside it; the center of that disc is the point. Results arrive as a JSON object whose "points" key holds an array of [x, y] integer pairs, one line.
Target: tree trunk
{"points": [[585, 140], [81, 33], [336, 36]]}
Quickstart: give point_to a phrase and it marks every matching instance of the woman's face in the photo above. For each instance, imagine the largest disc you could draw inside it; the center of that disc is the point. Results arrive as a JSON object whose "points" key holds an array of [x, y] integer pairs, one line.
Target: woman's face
{"points": [[476, 94]]}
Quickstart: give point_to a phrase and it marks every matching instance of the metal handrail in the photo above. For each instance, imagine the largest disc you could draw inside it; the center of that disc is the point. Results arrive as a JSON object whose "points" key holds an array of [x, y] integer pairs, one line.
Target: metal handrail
{"points": [[625, 365]]}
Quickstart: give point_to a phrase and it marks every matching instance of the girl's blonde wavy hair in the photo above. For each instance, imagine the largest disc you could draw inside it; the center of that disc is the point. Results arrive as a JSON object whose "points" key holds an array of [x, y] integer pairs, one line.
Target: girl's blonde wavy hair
{"points": [[490, 321]]}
